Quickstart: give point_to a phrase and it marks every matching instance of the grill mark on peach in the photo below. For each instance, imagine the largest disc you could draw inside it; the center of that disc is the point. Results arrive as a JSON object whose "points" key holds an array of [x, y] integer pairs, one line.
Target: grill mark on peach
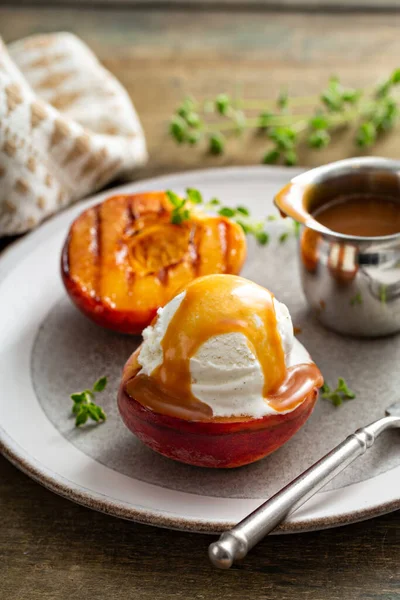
{"points": [[131, 211], [232, 255], [225, 243], [65, 257], [133, 206], [228, 254], [131, 217], [194, 249], [97, 251], [162, 211], [163, 275]]}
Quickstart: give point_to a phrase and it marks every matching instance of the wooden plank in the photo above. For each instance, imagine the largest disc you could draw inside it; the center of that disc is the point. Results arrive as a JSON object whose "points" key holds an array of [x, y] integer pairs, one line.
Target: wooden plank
{"points": [[53, 549], [215, 4]]}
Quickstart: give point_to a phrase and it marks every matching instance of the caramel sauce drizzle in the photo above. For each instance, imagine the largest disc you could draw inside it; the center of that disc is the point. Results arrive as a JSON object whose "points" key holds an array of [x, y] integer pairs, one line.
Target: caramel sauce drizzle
{"points": [[213, 306]]}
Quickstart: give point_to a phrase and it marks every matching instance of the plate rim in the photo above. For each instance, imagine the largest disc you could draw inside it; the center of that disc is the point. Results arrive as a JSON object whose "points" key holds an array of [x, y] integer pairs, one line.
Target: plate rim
{"points": [[95, 500]]}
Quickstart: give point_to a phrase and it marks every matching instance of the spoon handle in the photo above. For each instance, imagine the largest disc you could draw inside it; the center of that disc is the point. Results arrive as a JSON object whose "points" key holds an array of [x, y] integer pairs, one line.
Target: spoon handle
{"points": [[236, 543]]}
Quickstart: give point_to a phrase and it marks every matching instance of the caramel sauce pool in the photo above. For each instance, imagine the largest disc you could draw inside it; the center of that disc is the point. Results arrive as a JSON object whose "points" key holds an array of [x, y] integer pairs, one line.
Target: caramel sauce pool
{"points": [[362, 215], [212, 306]]}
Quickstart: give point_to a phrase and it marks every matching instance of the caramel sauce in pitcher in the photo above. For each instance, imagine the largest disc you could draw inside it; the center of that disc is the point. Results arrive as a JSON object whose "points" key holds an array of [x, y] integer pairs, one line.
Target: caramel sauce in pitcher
{"points": [[363, 215], [355, 213], [213, 306]]}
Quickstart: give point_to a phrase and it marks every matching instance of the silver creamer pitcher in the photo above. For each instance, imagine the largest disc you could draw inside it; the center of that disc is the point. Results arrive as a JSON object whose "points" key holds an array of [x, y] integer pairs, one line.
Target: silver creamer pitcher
{"points": [[352, 283]]}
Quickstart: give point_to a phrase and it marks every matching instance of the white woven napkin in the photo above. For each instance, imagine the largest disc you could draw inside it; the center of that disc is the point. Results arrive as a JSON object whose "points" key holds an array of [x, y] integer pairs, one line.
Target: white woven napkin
{"points": [[67, 127]]}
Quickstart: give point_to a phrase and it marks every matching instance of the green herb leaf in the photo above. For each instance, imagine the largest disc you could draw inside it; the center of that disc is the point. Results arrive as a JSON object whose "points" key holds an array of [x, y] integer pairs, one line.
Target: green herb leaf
{"points": [[176, 217], [351, 96], [84, 408], [81, 417], [101, 414], [264, 120], [356, 299], [343, 388], [290, 158], [319, 122], [96, 413], [193, 137], [395, 77], [283, 237], [339, 395], [217, 143], [194, 196], [78, 398], [186, 107], [177, 128], [92, 412], [214, 202], [319, 139], [336, 399], [174, 199], [284, 137], [243, 210], [193, 120], [325, 389], [222, 104], [100, 384], [246, 228], [262, 238], [366, 134], [76, 408], [226, 211], [283, 99], [332, 96], [271, 157]]}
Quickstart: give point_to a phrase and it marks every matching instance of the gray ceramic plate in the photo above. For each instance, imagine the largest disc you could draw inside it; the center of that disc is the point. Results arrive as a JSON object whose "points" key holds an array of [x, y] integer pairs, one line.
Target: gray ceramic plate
{"points": [[48, 350]]}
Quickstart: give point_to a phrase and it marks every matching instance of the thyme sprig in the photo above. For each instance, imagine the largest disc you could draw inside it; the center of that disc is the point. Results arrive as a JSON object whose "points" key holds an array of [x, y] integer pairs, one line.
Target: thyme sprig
{"points": [[370, 113], [183, 207], [85, 408], [338, 395]]}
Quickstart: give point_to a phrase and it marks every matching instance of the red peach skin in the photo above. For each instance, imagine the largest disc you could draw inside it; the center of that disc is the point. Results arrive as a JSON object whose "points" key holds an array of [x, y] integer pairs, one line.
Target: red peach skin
{"points": [[217, 444]]}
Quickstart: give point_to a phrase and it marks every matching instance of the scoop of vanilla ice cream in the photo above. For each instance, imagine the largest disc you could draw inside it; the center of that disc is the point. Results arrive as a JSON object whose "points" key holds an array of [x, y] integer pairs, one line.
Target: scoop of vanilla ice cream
{"points": [[226, 375]]}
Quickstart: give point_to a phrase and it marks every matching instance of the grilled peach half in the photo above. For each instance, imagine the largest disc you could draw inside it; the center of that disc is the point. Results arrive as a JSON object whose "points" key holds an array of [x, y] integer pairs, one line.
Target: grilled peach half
{"points": [[216, 443], [123, 258]]}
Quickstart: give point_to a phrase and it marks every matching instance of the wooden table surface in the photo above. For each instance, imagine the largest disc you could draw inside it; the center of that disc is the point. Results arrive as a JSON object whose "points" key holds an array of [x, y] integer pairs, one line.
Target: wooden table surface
{"points": [[53, 549]]}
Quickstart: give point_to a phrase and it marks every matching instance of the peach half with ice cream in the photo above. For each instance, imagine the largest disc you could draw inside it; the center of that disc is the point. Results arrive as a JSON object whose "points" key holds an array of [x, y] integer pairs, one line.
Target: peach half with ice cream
{"points": [[219, 380]]}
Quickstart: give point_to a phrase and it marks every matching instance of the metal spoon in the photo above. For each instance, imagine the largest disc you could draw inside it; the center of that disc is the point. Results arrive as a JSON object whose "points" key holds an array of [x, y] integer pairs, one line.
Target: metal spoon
{"points": [[235, 544]]}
